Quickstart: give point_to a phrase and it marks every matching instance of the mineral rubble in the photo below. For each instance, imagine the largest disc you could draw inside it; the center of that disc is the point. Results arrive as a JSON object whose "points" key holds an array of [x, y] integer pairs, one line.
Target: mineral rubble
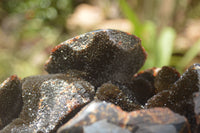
{"points": [[93, 85]]}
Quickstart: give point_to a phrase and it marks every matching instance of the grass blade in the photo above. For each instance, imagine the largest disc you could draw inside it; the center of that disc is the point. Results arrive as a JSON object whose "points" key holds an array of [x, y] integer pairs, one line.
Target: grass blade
{"points": [[130, 14], [164, 47], [189, 55]]}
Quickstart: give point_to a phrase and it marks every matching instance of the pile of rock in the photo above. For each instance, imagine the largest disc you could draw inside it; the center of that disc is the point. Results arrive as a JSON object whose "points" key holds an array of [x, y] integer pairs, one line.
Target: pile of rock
{"points": [[92, 86]]}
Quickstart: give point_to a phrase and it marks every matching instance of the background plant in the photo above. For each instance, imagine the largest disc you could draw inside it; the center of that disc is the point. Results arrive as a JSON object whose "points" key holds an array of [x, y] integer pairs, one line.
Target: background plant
{"points": [[158, 43]]}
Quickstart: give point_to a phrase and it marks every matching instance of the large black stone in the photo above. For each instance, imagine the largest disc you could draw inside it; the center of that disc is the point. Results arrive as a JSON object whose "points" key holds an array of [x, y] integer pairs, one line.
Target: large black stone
{"points": [[105, 55]]}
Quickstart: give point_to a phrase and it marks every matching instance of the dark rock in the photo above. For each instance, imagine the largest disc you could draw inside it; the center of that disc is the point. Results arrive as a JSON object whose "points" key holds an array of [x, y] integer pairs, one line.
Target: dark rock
{"points": [[109, 116], [10, 100], [50, 101], [197, 110], [179, 97], [142, 85], [105, 55], [148, 74], [165, 78], [129, 95], [111, 93]]}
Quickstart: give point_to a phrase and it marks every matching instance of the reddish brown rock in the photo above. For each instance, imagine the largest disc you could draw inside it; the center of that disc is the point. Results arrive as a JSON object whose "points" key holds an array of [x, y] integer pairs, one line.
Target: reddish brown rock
{"points": [[10, 100], [49, 101], [105, 55], [109, 116]]}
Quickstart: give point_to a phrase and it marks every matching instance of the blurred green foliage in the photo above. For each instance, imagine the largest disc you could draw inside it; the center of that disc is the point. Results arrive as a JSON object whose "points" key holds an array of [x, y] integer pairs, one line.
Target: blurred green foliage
{"points": [[159, 47], [30, 29], [158, 43], [50, 11]]}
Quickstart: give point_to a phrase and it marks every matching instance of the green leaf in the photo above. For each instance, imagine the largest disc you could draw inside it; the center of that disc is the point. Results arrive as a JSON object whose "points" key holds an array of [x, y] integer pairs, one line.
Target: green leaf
{"points": [[148, 37], [130, 14], [164, 47]]}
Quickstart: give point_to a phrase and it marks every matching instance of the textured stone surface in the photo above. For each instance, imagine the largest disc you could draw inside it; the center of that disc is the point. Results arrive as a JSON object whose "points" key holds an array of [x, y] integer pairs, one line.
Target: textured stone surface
{"points": [[142, 85], [111, 93], [197, 109], [129, 95], [105, 55], [166, 77], [50, 101], [10, 100], [104, 114], [179, 96]]}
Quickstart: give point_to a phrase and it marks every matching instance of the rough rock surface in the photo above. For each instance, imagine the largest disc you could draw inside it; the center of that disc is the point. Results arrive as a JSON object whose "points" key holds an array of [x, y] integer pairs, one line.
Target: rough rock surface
{"points": [[166, 77], [105, 55], [197, 110], [111, 93], [142, 85], [10, 100], [98, 114], [179, 96], [49, 101], [130, 95]]}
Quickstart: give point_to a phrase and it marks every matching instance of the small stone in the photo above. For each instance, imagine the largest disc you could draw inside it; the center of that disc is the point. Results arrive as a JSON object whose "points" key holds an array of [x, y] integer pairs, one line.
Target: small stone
{"points": [[103, 114], [111, 93], [105, 55], [10, 100], [142, 85], [50, 101], [166, 77]]}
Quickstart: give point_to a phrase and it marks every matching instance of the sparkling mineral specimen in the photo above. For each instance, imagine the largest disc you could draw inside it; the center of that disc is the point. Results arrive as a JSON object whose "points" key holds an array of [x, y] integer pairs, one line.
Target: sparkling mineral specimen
{"points": [[105, 55], [104, 114], [100, 67], [49, 101]]}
